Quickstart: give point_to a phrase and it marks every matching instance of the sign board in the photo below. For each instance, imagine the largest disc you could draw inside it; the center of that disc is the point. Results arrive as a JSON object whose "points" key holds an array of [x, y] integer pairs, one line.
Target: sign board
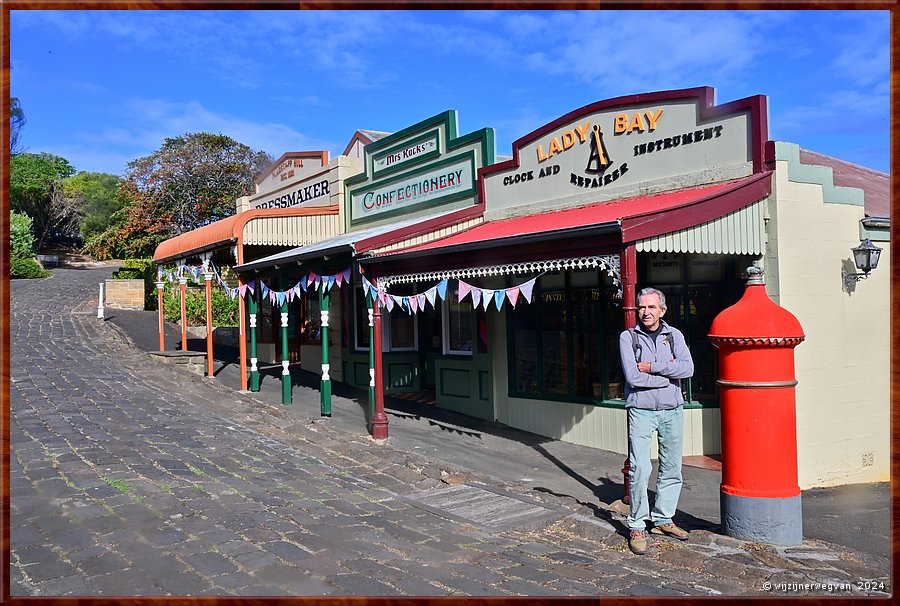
{"points": [[421, 170], [630, 146], [289, 169]]}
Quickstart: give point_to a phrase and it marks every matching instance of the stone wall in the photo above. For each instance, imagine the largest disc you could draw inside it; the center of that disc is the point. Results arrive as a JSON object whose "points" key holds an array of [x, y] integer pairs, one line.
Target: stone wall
{"points": [[124, 294]]}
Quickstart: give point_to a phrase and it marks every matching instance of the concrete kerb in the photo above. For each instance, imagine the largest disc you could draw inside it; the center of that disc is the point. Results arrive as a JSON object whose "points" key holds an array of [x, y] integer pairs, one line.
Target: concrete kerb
{"points": [[333, 446]]}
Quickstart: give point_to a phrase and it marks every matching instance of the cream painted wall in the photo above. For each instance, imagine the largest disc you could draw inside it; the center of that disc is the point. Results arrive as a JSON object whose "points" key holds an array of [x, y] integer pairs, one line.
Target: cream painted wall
{"points": [[843, 412]]}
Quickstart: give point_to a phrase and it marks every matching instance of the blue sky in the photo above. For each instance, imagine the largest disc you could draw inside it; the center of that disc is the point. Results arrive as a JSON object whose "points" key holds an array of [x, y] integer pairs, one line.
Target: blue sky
{"points": [[101, 88]]}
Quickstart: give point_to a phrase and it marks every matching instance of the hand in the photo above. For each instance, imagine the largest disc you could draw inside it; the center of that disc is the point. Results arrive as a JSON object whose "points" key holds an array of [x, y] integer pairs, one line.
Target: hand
{"points": [[644, 367]]}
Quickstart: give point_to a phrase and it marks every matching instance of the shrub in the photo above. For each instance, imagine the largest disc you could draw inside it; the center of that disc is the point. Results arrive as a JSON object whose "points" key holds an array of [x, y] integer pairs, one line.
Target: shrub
{"points": [[21, 242], [224, 310], [26, 267]]}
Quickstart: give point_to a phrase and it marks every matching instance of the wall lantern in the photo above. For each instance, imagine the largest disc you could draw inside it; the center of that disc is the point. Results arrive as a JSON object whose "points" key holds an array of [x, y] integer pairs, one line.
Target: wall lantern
{"points": [[866, 257]]}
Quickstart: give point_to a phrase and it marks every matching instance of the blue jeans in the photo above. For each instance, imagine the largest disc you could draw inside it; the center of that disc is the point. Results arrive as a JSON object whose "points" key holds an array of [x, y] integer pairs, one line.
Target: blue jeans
{"points": [[669, 424]]}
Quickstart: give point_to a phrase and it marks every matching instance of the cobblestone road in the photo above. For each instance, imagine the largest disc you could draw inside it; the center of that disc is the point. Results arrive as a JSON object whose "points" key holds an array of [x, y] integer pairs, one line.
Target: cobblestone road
{"points": [[130, 477]]}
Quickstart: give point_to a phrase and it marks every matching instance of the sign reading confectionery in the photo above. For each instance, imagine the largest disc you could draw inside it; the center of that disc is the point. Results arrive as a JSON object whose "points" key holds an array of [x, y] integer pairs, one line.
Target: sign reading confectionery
{"points": [[631, 146], [423, 169]]}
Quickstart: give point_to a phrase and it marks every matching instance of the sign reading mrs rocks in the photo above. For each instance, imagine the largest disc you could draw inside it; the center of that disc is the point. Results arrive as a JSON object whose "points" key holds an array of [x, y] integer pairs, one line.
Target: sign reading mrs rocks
{"points": [[421, 170], [631, 146]]}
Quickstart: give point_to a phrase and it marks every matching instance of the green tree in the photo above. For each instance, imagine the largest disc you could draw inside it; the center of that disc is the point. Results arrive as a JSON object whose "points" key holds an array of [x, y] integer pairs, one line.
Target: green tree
{"points": [[197, 177], [16, 124], [134, 231], [35, 189], [95, 194]]}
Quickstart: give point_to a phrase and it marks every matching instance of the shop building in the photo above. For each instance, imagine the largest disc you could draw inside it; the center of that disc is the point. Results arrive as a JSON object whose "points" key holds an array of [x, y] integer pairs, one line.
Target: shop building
{"points": [[297, 201], [671, 190]]}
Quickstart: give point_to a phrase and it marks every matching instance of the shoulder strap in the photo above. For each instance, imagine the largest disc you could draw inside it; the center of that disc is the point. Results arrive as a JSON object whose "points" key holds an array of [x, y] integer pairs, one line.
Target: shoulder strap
{"points": [[635, 345]]}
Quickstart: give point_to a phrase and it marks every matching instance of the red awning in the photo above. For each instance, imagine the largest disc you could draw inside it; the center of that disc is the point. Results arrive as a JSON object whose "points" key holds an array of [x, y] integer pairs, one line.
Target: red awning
{"points": [[638, 217]]}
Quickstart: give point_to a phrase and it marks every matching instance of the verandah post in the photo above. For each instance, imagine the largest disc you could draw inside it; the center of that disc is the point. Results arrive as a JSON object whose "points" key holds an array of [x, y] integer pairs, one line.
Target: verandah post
{"points": [[162, 317], [285, 355], [325, 387], [254, 369]]}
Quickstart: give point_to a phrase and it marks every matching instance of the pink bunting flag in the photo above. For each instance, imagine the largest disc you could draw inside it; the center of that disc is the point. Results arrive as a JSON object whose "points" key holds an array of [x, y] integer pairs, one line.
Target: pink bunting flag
{"points": [[464, 291], [527, 288], [243, 289], [389, 302], [513, 295], [414, 304], [382, 296]]}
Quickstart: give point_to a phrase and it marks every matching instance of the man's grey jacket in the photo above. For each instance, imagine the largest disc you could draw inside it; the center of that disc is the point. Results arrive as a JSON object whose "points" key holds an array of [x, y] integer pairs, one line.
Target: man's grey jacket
{"points": [[660, 389]]}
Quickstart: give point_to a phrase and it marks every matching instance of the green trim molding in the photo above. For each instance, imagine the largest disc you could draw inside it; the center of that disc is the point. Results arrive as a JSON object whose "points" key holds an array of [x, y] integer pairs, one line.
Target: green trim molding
{"points": [[815, 174]]}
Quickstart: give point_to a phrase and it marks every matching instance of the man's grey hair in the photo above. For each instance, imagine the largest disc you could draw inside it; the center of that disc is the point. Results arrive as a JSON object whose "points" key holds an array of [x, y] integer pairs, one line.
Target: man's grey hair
{"points": [[652, 291]]}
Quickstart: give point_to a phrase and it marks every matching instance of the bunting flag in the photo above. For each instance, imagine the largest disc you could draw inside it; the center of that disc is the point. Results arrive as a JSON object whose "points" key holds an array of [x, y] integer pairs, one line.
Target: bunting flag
{"points": [[487, 295], [389, 302], [476, 297], [464, 290], [527, 288], [442, 288], [421, 299], [498, 298], [513, 295], [346, 275], [303, 283], [413, 303], [431, 295]]}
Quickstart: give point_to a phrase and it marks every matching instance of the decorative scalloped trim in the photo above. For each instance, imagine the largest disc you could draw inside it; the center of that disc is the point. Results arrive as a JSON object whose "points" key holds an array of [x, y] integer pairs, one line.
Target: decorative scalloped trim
{"points": [[758, 341]]}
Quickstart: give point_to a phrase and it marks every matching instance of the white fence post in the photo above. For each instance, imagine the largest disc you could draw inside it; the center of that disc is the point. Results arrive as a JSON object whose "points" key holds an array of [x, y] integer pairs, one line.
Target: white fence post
{"points": [[100, 302]]}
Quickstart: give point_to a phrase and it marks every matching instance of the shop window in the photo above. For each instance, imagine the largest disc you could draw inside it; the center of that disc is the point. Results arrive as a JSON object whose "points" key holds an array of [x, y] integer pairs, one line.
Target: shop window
{"points": [[564, 345], [400, 326], [458, 324], [311, 326], [361, 319]]}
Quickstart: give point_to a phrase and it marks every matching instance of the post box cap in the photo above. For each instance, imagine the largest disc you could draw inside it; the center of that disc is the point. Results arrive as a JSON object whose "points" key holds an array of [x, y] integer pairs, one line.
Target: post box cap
{"points": [[756, 316]]}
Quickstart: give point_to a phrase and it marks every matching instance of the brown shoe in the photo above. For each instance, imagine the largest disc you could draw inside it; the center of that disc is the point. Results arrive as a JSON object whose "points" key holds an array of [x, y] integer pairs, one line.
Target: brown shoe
{"points": [[637, 542], [670, 530]]}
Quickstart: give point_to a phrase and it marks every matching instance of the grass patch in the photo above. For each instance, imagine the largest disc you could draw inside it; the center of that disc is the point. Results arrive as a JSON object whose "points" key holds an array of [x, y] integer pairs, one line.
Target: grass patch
{"points": [[196, 471], [120, 485]]}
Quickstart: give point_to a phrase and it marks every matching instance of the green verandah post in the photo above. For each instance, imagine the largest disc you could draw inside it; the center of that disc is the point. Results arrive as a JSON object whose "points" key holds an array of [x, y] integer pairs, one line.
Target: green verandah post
{"points": [[285, 356], [325, 387], [253, 307]]}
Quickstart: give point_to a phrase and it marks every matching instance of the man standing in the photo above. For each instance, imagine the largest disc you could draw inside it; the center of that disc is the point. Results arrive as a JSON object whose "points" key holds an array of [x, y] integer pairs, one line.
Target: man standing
{"points": [[655, 358]]}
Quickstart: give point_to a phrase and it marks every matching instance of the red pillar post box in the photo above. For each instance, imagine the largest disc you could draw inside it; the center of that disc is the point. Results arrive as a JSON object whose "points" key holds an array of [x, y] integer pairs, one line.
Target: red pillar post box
{"points": [[760, 495]]}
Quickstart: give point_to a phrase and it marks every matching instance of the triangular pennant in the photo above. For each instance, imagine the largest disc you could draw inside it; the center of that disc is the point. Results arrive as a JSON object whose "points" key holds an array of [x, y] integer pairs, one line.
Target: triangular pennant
{"points": [[243, 290], [476, 296], [297, 291], [232, 292], [498, 298], [487, 295], [442, 289], [422, 298], [513, 295], [331, 281], [303, 283], [313, 276], [389, 302], [265, 290], [382, 296], [251, 285], [290, 294], [413, 304], [339, 279], [464, 289], [431, 295], [346, 275], [526, 289]]}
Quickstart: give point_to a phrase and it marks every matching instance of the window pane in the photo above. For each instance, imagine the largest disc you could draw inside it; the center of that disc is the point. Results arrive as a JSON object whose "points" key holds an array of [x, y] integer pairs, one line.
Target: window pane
{"points": [[403, 330], [524, 347], [461, 314], [362, 319], [312, 325], [615, 324], [586, 342], [555, 353]]}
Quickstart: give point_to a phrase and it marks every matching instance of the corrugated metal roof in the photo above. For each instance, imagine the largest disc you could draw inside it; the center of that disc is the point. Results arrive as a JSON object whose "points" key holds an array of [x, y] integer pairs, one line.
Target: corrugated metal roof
{"points": [[230, 230]]}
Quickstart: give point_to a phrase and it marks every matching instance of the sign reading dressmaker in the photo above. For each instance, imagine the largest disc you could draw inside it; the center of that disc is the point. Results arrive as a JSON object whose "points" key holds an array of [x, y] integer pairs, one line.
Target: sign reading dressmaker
{"points": [[451, 178], [313, 194]]}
